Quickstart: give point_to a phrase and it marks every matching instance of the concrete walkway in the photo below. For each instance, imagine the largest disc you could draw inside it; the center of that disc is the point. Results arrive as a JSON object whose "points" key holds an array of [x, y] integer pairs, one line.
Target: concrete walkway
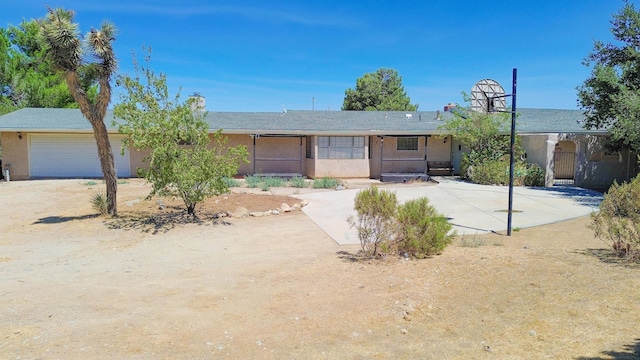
{"points": [[471, 208]]}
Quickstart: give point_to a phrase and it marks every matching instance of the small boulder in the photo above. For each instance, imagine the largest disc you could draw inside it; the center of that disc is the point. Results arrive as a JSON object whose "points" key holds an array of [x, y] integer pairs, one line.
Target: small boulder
{"points": [[240, 212]]}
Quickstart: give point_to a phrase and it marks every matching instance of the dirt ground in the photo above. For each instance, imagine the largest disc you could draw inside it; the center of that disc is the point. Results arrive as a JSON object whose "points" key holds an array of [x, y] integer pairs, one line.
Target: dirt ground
{"points": [[153, 284]]}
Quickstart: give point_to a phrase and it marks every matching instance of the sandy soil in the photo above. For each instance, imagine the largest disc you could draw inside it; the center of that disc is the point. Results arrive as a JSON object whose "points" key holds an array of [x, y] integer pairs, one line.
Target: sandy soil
{"points": [[155, 285]]}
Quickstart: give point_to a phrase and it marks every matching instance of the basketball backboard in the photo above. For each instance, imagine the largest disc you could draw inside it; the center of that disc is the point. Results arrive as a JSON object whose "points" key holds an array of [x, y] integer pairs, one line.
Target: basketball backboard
{"points": [[488, 96]]}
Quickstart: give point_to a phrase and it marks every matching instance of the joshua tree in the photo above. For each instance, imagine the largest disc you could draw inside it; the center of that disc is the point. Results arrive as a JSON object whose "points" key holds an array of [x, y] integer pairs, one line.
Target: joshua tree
{"points": [[86, 61]]}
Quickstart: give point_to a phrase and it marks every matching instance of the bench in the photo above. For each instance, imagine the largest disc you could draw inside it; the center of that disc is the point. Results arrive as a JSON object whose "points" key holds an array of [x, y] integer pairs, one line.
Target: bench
{"points": [[439, 167]]}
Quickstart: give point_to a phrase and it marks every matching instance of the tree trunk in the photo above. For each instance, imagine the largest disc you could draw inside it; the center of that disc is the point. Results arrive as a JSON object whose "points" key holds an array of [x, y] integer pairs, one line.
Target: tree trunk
{"points": [[106, 163], [95, 113]]}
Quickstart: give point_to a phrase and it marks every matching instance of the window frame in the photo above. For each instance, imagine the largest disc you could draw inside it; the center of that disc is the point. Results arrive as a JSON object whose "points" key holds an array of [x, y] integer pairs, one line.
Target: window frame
{"points": [[341, 147], [406, 145]]}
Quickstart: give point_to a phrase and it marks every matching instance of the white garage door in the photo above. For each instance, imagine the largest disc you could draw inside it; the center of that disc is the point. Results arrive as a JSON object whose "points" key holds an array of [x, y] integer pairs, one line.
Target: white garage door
{"points": [[72, 156]]}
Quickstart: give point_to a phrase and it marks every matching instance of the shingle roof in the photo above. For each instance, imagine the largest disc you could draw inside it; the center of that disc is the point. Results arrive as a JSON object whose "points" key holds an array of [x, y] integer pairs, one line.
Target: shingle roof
{"points": [[303, 122]]}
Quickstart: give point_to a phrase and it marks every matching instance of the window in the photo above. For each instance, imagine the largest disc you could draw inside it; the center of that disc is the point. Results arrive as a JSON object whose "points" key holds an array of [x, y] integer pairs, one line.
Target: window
{"points": [[340, 147], [407, 143], [309, 147]]}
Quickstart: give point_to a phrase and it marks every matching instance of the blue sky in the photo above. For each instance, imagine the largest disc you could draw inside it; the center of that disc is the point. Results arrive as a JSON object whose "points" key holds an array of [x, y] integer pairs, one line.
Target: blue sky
{"points": [[266, 55]]}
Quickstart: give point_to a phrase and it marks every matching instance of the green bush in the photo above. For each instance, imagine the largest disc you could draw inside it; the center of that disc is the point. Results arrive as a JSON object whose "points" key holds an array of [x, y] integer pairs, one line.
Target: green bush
{"points": [[414, 228], [376, 212], [534, 176], [272, 181], [99, 203], [297, 182], [494, 172], [252, 181], [325, 183], [230, 182], [618, 221], [421, 231]]}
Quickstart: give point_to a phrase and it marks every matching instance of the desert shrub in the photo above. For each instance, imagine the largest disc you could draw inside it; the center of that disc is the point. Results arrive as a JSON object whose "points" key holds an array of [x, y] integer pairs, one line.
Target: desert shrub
{"points": [[414, 228], [325, 182], [376, 212], [252, 181], [493, 172], [297, 182], [230, 182], [473, 241], [272, 181], [534, 176], [421, 230], [99, 203], [618, 221]]}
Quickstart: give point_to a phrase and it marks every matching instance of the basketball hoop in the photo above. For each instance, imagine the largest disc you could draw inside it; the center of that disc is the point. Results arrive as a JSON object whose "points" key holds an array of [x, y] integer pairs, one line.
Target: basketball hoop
{"points": [[487, 96]]}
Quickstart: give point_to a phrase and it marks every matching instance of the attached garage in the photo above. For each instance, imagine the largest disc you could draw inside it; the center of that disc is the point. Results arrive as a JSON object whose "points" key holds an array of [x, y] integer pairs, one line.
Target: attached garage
{"points": [[72, 155]]}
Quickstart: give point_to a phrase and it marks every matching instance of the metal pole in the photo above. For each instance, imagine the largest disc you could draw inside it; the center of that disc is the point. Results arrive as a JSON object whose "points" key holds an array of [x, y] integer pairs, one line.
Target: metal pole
{"points": [[513, 149]]}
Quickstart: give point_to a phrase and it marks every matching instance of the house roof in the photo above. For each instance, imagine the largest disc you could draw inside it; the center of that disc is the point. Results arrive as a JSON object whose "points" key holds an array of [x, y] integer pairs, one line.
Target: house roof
{"points": [[305, 122]]}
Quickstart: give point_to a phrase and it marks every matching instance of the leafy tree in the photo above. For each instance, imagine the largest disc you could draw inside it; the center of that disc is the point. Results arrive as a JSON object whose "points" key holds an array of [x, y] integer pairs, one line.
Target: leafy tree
{"points": [[481, 133], [27, 78], [381, 90], [82, 60], [183, 162], [487, 161], [610, 97]]}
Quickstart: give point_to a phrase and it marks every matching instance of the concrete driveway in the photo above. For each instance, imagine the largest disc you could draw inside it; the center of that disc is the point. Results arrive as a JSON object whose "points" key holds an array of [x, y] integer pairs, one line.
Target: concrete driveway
{"points": [[471, 208]]}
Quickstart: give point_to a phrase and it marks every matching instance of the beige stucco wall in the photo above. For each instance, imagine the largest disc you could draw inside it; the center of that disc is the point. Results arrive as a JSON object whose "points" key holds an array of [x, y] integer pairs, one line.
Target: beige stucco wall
{"points": [[268, 148], [439, 148], [271, 154], [279, 155], [245, 140], [594, 169], [539, 150], [340, 168], [337, 168], [15, 154], [597, 170], [135, 160]]}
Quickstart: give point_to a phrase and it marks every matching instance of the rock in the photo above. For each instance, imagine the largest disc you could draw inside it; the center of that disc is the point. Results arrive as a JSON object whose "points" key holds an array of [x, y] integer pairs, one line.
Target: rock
{"points": [[285, 207], [296, 206], [404, 331], [256, 214], [339, 187], [132, 202], [240, 212], [532, 333], [304, 203], [275, 212]]}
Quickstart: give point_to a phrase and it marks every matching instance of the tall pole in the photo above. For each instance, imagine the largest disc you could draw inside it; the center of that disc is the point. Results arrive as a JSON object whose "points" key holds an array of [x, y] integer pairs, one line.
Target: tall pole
{"points": [[513, 149]]}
